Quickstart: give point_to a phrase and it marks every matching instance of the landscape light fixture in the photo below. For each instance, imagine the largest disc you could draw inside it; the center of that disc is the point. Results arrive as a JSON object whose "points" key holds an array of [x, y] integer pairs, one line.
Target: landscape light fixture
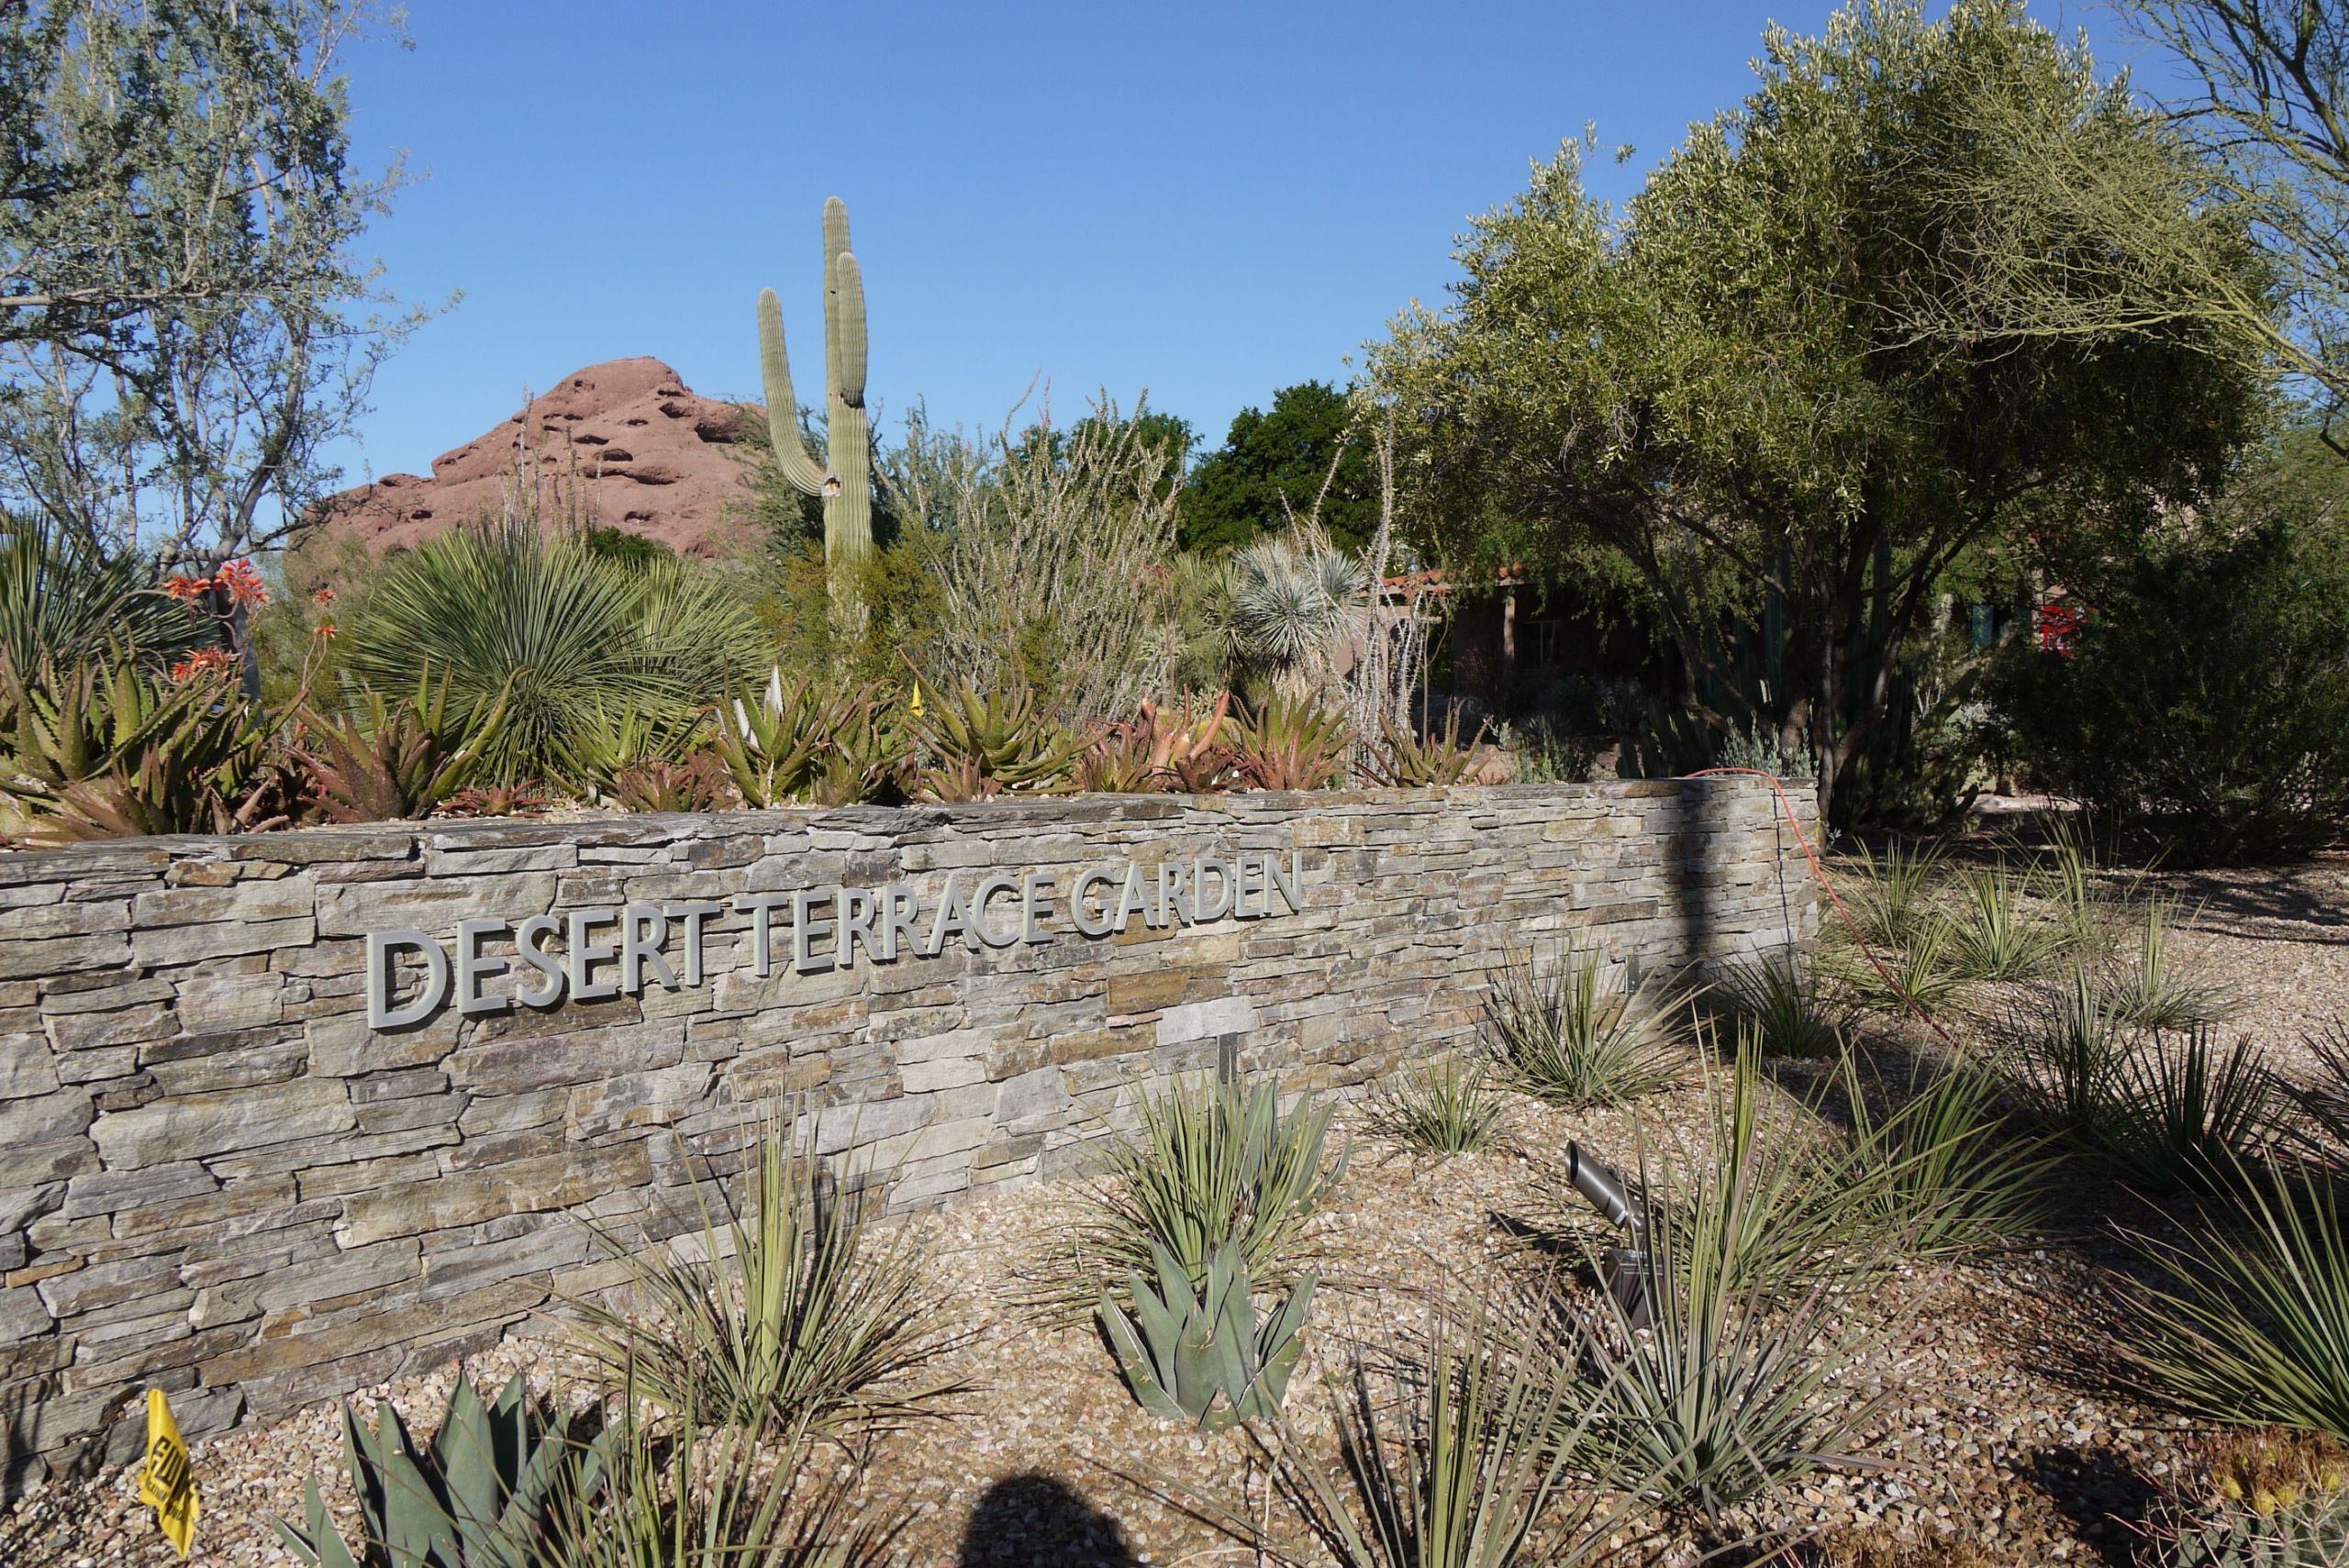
{"points": [[1624, 1269]]}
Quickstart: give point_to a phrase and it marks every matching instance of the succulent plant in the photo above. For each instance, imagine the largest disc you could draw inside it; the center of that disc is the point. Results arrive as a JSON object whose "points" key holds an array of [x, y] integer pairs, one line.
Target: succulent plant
{"points": [[1291, 745], [2285, 1529], [390, 761], [1205, 1358], [992, 744], [484, 1495], [844, 478], [1403, 759], [1184, 748]]}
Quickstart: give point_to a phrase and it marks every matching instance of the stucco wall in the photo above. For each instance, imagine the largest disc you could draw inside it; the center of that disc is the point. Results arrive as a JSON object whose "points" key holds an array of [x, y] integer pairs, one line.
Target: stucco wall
{"points": [[219, 1178]]}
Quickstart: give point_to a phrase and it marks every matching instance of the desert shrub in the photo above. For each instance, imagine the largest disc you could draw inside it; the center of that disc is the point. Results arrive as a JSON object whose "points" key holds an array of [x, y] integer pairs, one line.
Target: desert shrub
{"points": [[787, 1305], [2205, 706], [1292, 612], [1918, 974], [1439, 1106], [1212, 1161], [2066, 1044], [2247, 1327], [1784, 1005], [1577, 1032], [552, 628]]}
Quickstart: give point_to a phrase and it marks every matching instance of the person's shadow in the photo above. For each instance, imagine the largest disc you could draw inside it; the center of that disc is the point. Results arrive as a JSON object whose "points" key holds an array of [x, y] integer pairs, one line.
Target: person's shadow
{"points": [[1034, 1521]]}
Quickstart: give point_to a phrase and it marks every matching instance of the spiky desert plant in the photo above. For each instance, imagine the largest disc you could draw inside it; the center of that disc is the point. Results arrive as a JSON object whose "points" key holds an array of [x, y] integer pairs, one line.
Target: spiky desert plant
{"points": [[1292, 612], [1916, 974], [2067, 1045], [2247, 1329], [625, 733], [1465, 1455], [1892, 901], [553, 627], [1184, 747], [1995, 936], [1403, 759], [787, 1305], [1577, 1031], [488, 1492], [774, 740], [2184, 1114], [843, 478], [61, 600], [2292, 1529], [193, 758], [1735, 1391], [383, 761], [1290, 745], [979, 744], [1211, 1161], [1442, 1107], [1947, 1173], [1781, 999], [2325, 1097], [2158, 988], [1201, 1354]]}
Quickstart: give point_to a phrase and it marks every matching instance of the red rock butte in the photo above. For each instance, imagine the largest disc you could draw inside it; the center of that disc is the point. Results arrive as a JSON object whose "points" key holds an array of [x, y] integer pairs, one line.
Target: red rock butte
{"points": [[623, 444]]}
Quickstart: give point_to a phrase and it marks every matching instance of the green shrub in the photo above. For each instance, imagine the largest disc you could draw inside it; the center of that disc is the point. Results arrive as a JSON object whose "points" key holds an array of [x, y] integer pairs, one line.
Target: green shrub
{"points": [[553, 628], [1780, 1000], [2205, 706], [1575, 1032], [1438, 1107]]}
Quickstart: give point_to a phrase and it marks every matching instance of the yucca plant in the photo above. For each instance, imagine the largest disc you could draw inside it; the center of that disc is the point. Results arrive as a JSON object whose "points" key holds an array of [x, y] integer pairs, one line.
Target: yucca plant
{"points": [[488, 1492], [1211, 1163], [2157, 989], [1466, 1456], [1916, 974], [1201, 1355], [2185, 1116], [1994, 937], [554, 627], [1402, 758], [2248, 1331], [1290, 745], [1734, 1391], [1892, 902], [384, 761], [1442, 1107], [1577, 1032], [1779, 999], [63, 602], [685, 1493], [978, 745], [2326, 1099], [1293, 611], [796, 1311], [1945, 1172], [2066, 1044]]}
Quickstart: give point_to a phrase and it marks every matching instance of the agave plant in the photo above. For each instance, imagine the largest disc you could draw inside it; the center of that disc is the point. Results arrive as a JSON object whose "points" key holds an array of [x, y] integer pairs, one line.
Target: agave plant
{"points": [[487, 1493], [1288, 745], [1577, 1032], [978, 746], [1204, 1356], [627, 734], [389, 761], [1402, 758]]}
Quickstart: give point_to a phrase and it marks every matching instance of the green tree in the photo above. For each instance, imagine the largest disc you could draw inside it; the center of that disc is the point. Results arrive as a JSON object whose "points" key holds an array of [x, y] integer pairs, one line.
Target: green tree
{"points": [[1729, 388], [183, 328], [1272, 464]]}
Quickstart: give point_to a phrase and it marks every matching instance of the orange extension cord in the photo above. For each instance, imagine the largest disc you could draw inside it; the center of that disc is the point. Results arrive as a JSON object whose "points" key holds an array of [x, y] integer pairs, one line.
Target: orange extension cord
{"points": [[1819, 871]]}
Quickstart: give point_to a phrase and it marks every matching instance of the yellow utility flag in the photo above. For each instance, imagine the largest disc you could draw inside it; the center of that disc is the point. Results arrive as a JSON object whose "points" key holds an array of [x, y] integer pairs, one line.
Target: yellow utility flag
{"points": [[916, 710], [167, 1484]]}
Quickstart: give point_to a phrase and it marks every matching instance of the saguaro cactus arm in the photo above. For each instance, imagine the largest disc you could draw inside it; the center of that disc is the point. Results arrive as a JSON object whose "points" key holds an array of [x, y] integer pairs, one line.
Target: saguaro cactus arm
{"points": [[800, 466]]}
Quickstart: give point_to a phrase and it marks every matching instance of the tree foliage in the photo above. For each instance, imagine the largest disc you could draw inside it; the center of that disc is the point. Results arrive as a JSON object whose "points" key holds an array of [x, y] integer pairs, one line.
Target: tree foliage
{"points": [[1744, 385], [1272, 466], [183, 328]]}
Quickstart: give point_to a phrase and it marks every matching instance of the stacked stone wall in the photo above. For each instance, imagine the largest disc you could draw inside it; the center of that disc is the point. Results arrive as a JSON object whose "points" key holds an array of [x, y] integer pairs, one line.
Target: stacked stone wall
{"points": [[220, 1177]]}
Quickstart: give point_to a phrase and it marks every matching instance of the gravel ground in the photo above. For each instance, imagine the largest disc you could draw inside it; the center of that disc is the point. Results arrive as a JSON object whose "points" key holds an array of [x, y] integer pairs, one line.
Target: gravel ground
{"points": [[1998, 1433]]}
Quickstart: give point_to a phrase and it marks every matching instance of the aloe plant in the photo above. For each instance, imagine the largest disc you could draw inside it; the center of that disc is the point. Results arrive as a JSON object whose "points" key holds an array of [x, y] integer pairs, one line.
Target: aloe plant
{"points": [[1287, 745], [1206, 1356], [979, 745], [1184, 748], [390, 761], [1402, 758], [485, 1493]]}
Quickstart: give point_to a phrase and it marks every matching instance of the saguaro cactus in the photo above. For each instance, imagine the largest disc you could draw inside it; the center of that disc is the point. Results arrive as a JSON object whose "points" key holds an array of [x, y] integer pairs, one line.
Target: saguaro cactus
{"points": [[844, 478]]}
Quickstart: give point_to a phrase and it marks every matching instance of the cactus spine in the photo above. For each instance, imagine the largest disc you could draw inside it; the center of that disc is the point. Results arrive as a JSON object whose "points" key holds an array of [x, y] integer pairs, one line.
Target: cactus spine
{"points": [[844, 478]]}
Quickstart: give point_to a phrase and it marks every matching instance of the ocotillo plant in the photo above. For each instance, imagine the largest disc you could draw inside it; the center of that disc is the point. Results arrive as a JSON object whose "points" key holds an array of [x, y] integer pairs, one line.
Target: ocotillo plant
{"points": [[844, 478]]}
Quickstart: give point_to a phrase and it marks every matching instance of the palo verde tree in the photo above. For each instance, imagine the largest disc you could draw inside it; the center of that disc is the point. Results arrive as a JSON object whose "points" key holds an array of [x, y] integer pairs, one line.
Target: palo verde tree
{"points": [[1728, 385], [184, 326]]}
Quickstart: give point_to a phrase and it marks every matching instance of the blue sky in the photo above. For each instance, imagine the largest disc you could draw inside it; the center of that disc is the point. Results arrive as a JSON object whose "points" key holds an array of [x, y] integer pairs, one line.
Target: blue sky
{"points": [[1207, 201]]}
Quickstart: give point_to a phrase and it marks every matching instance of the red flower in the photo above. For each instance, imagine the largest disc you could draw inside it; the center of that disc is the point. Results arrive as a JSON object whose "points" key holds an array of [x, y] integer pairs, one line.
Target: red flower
{"points": [[203, 661], [243, 585], [324, 628], [323, 596], [187, 589]]}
